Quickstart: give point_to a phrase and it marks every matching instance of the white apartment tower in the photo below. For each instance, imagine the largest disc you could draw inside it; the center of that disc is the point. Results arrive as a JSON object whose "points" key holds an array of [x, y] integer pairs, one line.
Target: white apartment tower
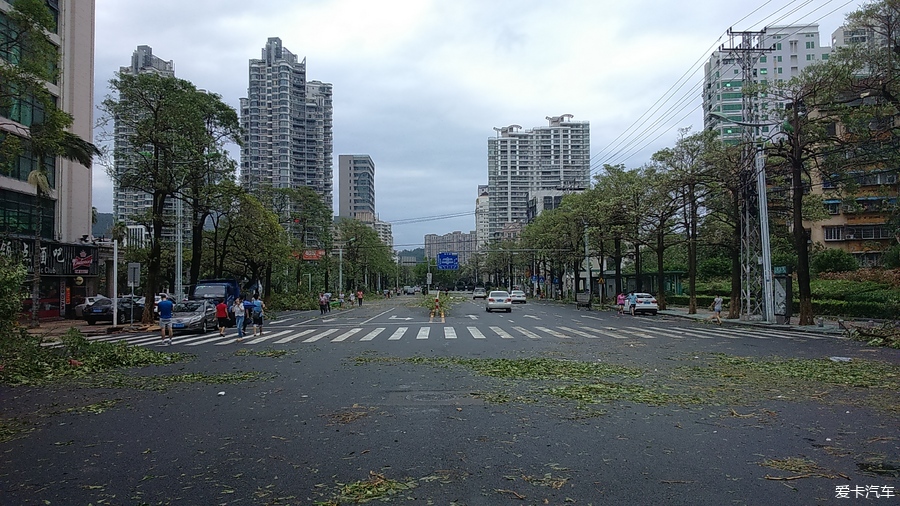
{"points": [[287, 124], [356, 193], [129, 203], [556, 156], [481, 217], [792, 48]]}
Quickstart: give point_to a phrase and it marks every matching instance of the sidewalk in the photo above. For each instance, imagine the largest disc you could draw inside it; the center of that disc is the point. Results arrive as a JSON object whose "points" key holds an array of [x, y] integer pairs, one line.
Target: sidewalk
{"points": [[54, 329]]}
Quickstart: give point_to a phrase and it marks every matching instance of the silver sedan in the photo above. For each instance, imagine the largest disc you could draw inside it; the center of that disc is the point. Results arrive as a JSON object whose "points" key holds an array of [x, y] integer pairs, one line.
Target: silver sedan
{"points": [[498, 300]]}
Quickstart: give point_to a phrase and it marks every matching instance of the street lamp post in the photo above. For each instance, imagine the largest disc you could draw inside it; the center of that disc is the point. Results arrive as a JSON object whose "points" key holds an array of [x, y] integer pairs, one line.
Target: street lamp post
{"points": [[762, 203]]}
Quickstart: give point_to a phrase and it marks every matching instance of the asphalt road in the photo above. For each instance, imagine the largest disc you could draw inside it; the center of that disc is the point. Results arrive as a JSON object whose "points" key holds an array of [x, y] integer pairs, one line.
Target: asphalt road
{"points": [[347, 401]]}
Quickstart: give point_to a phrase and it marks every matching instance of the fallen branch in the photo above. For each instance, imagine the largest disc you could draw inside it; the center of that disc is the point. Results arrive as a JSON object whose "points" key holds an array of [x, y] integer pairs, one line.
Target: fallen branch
{"points": [[513, 492]]}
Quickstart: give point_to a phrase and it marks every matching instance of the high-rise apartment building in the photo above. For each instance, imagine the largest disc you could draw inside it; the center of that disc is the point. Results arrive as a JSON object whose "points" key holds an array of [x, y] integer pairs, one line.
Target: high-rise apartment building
{"points": [[356, 191], [129, 203], [790, 50], [556, 156], [287, 124], [67, 260], [481, 217]]}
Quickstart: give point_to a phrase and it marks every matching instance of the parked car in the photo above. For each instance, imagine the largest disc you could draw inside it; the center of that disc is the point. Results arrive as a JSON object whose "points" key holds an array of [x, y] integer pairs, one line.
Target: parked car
{"points": [[517, 296], [79, 309], [479, 293], [194, 316], [498, 300], [645, 303], [102, 310]]}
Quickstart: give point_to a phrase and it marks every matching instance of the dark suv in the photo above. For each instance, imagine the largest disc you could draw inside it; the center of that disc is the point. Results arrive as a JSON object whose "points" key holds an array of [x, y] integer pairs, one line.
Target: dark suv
{"points": [[102, 310]]}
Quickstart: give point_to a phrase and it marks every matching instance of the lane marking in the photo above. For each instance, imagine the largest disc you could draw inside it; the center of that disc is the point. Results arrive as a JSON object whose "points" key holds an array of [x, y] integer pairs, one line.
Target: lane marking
{"points": [[475, 333], [502, 333], [294, 336], [398, 334], [372, 335], [320, 336]]}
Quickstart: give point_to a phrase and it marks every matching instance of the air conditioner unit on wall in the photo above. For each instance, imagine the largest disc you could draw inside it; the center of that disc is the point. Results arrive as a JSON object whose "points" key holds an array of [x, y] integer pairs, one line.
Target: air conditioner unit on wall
{"points": [[850, 236]]}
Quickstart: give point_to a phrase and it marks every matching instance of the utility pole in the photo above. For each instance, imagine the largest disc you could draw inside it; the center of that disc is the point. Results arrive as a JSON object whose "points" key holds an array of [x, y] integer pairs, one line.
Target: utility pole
{"points": [[747, 48]]}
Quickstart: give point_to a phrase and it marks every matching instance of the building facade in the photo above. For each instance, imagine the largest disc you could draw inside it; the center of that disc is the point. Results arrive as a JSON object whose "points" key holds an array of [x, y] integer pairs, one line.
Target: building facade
{"points": [[791, 49], [356, 194], [455, 242], [556, 156], [67, 260], [287, 124]]}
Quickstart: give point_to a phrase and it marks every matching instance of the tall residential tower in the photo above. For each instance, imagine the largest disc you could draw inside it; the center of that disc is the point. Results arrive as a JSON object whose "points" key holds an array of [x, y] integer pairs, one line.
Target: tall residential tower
{"points": [[552, 157], [287, 124]]}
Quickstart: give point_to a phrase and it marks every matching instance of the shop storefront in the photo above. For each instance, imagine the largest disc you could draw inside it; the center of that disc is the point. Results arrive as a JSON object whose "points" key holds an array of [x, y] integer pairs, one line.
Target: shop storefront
{"points": [[69, 272]]}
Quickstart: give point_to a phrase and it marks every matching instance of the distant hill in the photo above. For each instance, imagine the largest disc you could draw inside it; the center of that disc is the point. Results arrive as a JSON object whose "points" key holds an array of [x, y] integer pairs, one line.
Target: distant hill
{"points": [[103, 227]]}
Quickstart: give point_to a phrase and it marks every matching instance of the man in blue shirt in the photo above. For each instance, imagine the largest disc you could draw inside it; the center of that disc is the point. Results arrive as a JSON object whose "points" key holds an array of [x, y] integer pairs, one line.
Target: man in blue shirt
{"points": [[165, 317]]}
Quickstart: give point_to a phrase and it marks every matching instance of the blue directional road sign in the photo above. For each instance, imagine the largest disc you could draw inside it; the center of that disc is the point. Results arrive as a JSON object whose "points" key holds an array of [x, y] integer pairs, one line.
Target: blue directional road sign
{"points": [[447, 261]]}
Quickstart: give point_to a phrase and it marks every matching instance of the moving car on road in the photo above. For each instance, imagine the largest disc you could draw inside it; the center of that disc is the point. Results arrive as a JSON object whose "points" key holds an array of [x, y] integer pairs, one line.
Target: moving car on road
{"points": [[517, 296], [645, 303], [479, 293], [498, 300], [194, 316]]}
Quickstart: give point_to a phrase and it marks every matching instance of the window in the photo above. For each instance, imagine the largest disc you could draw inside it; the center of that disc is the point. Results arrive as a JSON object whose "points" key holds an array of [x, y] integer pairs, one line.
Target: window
{"points": [[779, 70], [810, 45], [18, 214], [833, 233], [778, 59], [763, 71], [810, 57], [825, 56], [833, 207], [762, 59], [778, 46]]}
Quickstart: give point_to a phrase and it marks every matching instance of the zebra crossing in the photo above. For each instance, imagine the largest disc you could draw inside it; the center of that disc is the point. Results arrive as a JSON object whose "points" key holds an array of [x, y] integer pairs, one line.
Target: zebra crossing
{"points": [[344, 334]]}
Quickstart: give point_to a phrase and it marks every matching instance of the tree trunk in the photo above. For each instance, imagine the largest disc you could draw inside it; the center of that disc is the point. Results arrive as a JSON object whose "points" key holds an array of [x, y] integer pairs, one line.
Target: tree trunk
{"points": [[692, 250], [196, 245], [151, 287], [801, 247], [660, 269], [36, 265], [617, 255], [734, 304]]}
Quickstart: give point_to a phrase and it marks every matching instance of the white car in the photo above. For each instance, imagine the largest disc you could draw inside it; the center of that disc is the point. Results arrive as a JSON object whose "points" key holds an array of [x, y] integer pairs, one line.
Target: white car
{"points": [[498, 300], [645, 303], [517, 296]]}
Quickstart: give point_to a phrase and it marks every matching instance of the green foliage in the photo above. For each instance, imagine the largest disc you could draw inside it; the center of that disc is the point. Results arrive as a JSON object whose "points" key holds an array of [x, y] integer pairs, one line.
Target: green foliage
{"points": [[293, 302], [24, 361], [713, 267], [12, 275], [891, 258], [833, 260]]}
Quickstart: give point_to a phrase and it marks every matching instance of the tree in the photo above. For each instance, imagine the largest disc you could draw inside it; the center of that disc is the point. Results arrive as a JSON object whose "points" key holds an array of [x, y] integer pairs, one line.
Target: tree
{"points": [[166, 130], [34, 62]]}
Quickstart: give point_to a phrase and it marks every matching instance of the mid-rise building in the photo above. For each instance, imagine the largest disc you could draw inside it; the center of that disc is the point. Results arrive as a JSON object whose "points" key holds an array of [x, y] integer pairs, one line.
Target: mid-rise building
{"points": [[385, 232], [463, 244], [67, 259], [356, 191], [130, 204], [556, 156], [287, 124], [788, 50]]}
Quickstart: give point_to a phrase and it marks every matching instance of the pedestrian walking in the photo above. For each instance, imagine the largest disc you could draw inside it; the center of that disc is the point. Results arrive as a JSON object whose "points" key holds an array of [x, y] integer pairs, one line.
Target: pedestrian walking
{"points": [[327, 302], [620, 304], [632, 301], [341, 300], [322, 303], [222, 316], [239, 317], [258, 315], [716, 306], [248, 313], [165, 318], [359, 297]]}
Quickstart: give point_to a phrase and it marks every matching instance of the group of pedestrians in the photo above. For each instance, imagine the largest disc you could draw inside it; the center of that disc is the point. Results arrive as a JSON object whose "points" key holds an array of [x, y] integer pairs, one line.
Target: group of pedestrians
{"points": [[245, 312], [625, 303]]}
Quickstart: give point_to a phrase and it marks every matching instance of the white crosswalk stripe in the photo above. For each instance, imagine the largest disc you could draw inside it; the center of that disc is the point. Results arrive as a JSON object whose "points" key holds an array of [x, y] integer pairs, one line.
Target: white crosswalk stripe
{"points": [[294, 336], [527, 333], [398, 334], [343, 337], [351, 334], [320, 336], [372, 335], [553, 333], [475, 332], [579, 332], [502, 333]]}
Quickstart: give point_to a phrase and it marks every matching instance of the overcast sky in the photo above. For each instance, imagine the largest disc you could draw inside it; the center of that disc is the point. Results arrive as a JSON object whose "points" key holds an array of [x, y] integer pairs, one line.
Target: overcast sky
{"points": [[419, 85]]}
